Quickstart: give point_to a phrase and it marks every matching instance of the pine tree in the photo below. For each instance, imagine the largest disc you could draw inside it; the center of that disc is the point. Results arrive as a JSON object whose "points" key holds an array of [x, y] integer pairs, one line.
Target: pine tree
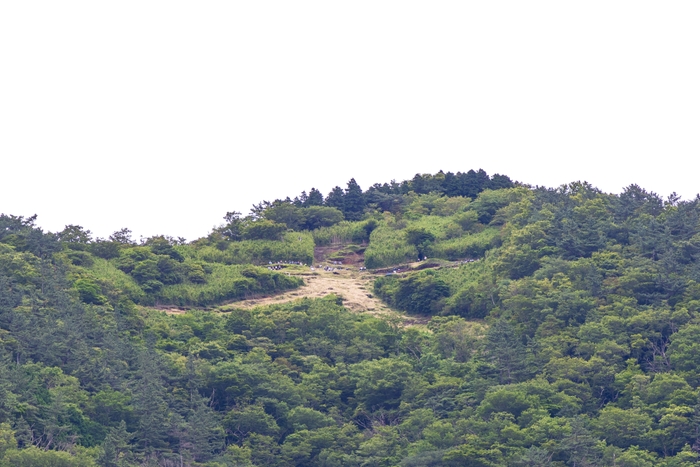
{"points": [[354, 201], [580, 446], [336, 199], [205, 434], [315, 198], [506, 351], [153, 410], [117, 447]]}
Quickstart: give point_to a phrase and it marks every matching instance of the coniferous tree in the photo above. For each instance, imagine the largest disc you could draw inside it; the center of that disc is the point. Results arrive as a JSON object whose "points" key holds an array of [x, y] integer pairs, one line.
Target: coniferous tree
{"points": [[336, 199], [204, 433], [117, 447], [354, 203], [506, 351], [499, 182], [580, 446], [151, 405], [315, 198]]}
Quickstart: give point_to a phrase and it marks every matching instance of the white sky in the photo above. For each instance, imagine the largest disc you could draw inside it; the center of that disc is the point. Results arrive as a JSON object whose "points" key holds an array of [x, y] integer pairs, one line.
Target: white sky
{"points": [[160, 116]]}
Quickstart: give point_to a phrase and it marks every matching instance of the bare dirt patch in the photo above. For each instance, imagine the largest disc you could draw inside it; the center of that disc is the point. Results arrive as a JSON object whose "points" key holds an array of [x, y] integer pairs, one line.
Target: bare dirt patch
{"points": [[342, 278], [353, 286]]}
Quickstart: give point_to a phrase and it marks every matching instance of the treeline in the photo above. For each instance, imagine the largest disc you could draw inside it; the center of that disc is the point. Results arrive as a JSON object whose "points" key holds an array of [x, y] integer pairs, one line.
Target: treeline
{"points": [[388, 196], [267, 220]]}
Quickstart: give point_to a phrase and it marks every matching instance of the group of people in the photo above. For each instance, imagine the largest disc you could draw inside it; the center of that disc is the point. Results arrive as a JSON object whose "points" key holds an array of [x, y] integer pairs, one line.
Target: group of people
{"points": [[279, 265]]}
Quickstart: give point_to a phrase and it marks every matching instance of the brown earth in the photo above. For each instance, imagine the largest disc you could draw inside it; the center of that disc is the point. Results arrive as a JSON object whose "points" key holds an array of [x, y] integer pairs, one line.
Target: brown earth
{"points": [[344, 279], [354, 287]]}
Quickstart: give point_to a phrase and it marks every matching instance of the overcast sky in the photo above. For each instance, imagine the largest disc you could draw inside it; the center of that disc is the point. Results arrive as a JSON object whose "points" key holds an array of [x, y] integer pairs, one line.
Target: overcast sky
{"points": [[160, 116]]}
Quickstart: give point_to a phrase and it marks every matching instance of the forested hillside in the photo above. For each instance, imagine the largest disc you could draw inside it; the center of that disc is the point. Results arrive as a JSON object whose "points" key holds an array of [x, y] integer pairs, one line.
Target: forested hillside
{"points": [[563, 329]]}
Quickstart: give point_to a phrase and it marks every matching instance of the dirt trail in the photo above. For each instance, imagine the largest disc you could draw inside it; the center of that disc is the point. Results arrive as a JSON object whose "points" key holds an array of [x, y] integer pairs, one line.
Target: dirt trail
{"points": [[343, 278], [354, 287], [347, 281]]}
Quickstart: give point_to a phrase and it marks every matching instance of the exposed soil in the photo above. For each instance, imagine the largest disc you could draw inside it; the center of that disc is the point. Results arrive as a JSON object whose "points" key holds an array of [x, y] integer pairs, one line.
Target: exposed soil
{"points": [[342, 277], [353, 286]]}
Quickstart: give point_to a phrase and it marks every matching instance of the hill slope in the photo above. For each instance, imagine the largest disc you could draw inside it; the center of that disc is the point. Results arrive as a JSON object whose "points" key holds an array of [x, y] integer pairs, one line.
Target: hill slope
{"points": [[563, 331]]}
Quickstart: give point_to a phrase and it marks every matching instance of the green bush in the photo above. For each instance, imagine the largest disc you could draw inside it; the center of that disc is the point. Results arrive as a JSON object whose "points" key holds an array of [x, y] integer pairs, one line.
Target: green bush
{"points": [[263, 230], [345, 232], [115, 281], [423, 292], [89, 292], [388, 247]]}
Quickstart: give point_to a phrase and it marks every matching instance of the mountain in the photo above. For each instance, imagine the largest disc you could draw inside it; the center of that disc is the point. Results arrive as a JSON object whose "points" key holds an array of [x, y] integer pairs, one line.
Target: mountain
{"points": [[454, 319]]}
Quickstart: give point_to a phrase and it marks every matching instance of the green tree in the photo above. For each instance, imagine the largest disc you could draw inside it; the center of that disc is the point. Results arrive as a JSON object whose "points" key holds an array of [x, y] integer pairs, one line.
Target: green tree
{"points": [[353, 202], [580, 448], [380, 383], [507, 352], [315, 217], [264, 230], [34, 457], [315, 198], [122, 236], [117, 447], [151, 405], [336, 199], [204, 434], [233, 229], [241, 423], [76, 236], [623, 428], [7, 438]]}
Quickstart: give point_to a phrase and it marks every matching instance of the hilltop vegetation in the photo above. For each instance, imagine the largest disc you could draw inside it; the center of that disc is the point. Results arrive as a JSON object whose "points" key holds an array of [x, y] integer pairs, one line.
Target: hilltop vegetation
{"points": [[564, 331]]}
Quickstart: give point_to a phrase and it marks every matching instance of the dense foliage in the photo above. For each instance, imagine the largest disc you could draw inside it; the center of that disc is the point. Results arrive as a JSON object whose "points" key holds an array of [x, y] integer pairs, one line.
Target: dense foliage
{"points": [[564, 331]]}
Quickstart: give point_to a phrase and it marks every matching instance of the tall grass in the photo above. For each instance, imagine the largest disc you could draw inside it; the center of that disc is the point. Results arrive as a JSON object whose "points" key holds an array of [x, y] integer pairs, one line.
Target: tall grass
{"points": [[228, 282], [343, 232], [295, 246], [464, 275], [436, 225], [467, 246], [115, 281], [387, 247]]}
